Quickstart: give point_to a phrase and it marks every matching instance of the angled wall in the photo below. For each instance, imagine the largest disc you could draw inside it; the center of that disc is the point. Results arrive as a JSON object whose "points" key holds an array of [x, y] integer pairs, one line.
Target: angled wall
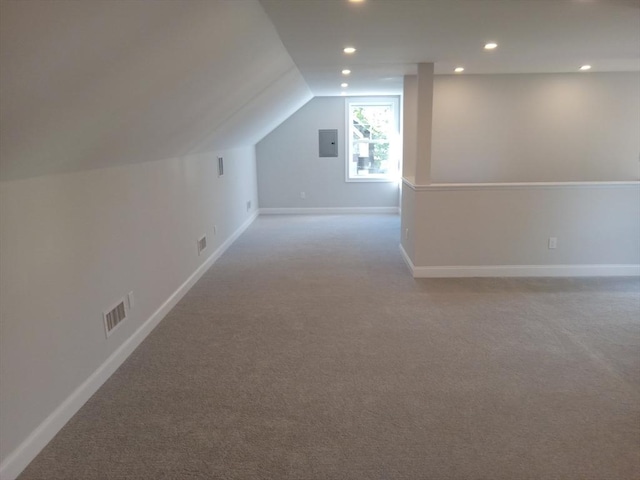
{"points": [[113, 115]]}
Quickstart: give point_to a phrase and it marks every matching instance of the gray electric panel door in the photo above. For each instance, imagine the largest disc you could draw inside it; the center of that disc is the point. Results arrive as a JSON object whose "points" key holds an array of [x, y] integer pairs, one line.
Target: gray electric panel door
{"points": [[328, 141]]}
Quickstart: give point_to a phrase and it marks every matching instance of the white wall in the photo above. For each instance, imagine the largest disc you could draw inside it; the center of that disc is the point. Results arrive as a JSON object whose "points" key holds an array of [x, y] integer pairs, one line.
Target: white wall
{"points": [[289, 163], [596, 225], [74, 244], [490, 130], [536, 128]]}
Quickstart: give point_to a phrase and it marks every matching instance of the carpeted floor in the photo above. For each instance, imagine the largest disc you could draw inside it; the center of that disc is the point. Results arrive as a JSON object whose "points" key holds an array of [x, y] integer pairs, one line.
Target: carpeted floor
{"points": [[308, 352]]}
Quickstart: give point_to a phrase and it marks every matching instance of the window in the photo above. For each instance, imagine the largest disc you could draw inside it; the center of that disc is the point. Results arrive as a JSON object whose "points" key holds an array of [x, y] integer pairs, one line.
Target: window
{"points": [[373, 149]]}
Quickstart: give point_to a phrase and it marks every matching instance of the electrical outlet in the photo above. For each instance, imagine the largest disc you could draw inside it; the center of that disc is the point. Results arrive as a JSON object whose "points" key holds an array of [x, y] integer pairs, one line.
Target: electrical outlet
{"points": [[406, 233], [303, 195], [131, 300], [215, 229], [553, 242], [249, 206]]}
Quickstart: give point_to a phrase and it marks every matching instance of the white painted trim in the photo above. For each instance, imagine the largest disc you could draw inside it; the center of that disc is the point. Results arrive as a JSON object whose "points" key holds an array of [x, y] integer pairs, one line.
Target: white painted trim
{"points": [[327, 210], [525, 271], [407, 260], [439, 187], [464, 271], [18, 460]]}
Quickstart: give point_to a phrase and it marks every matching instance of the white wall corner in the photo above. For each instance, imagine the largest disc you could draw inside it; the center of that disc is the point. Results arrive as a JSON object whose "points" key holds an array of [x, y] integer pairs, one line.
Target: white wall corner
{"points": [[20, 458], [407, 260]]}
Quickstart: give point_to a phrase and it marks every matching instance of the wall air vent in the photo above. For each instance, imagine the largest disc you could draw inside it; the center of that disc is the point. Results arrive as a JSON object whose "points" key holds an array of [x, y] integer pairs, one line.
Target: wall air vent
{"points": [[202, 244], [114, 317], [220, 166]]}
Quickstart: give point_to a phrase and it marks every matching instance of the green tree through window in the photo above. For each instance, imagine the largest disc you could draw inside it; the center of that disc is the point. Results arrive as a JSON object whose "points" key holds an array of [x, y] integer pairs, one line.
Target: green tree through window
{"points": [[373, 129]]}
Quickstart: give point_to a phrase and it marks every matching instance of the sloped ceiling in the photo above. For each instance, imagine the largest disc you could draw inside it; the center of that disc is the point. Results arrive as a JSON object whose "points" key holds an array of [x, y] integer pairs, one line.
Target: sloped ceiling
{"points": [[101, 83]]}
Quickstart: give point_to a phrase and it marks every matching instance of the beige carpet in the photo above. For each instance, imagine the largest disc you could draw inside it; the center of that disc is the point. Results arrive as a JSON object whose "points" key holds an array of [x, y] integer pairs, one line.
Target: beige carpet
{"points": [[308, 352]]}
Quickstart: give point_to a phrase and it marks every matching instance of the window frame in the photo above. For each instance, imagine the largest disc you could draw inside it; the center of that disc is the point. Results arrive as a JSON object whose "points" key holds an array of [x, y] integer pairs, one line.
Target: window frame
{"points": [[394, 102]]}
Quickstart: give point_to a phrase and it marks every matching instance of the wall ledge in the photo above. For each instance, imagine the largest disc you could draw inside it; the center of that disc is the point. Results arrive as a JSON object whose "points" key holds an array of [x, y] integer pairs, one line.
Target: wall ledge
{"points": [[439, 187]]}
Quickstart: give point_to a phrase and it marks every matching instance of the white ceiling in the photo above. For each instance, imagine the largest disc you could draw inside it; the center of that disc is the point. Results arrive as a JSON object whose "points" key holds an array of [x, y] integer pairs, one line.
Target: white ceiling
{"points": [[392, 36]]}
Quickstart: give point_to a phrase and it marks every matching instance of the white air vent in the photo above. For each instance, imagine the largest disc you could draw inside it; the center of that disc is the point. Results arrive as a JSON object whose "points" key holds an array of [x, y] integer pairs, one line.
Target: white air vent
{"points": [[202, 244], [114, 317]]}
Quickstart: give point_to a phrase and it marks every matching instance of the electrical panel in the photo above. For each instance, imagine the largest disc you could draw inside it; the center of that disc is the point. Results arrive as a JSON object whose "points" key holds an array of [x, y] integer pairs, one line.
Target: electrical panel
{"points": [[328, 142]]}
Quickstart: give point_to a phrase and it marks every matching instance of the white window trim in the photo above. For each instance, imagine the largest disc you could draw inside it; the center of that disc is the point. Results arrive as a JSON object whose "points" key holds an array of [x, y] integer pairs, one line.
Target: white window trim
{"points": [[377, 100]]}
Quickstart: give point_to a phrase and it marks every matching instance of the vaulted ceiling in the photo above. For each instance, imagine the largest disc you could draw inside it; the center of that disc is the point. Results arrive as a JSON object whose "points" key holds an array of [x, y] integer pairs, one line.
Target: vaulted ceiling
{"points": [[392, 36], [98, 83]]}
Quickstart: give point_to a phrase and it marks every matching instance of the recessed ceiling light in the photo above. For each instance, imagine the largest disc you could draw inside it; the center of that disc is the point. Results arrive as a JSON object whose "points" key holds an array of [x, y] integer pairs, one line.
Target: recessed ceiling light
{"points": [[585, 67], [459, 69], [344, 85], [349, 50], [356, 1], [346, 71], [491, 46]]}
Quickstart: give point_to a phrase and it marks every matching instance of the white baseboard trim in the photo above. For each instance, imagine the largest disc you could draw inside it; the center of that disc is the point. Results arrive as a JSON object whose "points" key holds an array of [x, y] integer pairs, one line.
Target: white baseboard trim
{"points": [[407, 260], [18, 460], [327, 210], [602, 270]]}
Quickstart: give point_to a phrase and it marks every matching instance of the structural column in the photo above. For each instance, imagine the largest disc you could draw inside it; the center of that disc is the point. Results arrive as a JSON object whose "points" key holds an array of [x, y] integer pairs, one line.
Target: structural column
{"points": [[424, 123], [417, 134], [409, 127], [417, 125]]}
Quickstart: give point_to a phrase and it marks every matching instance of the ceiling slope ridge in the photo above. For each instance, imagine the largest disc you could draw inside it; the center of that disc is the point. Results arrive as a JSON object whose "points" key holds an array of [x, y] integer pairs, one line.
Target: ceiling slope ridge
{"points": [[261, 114], [264, 111]]}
